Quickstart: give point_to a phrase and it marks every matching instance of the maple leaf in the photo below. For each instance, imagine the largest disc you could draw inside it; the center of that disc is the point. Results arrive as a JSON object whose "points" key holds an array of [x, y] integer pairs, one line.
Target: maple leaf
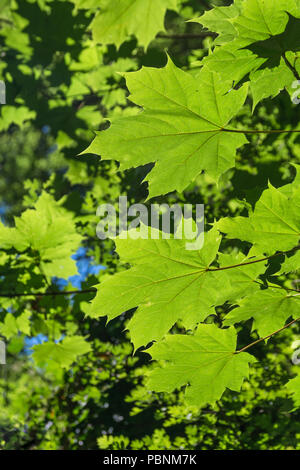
{"points": [[119, 19], [261, 19], [269, 308], [291, 264], [219, 20], [166, 281], [182, 130], [64, 353], [48, 230], [206, 361], [274, 224], [293, 387], [243, 274]]}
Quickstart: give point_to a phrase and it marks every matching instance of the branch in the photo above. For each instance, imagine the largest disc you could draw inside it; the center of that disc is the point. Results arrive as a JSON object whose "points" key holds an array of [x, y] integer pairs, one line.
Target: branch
{"points": [[202, 34], [41, 294], [266, 337]]}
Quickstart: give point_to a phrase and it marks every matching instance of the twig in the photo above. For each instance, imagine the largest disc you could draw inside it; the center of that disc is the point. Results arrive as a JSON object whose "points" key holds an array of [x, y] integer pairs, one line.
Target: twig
{"points": [[38, 294], [202, 34]]}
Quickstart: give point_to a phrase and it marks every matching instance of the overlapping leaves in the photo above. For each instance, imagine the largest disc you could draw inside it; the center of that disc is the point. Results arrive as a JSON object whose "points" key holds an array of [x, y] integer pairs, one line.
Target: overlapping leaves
{"points": [[274, 224], [260, 38]]}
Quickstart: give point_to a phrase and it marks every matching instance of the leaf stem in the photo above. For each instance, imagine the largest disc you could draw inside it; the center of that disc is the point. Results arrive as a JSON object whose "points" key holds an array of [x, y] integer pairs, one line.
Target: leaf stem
{"points": [[255, 261], [267, 337], [253, 131]]}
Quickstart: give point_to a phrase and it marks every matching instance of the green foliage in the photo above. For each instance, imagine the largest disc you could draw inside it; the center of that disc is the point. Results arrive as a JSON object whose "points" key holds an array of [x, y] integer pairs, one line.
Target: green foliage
{"points": [[119, 19], [212, 329], [186, 117]]}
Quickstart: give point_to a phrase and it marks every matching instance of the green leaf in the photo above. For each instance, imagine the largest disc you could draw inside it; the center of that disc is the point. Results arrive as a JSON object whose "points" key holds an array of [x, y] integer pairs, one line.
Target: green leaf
{"points": [[13, 325], [182, 129], [119, 19], [48, 230], [256, 35], [269, 82], [218, 19], [273, 226], [291, 264], [293, 387], [269, 308], [231, 63], [261, 19], [167, 282], [241, 278], [63, 353], [205, 361]]}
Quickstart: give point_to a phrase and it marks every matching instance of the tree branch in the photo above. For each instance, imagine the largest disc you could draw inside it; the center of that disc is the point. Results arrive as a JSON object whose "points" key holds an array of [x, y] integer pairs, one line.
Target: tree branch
{"points": [[202, 34], [290, 66], [41, 294]]}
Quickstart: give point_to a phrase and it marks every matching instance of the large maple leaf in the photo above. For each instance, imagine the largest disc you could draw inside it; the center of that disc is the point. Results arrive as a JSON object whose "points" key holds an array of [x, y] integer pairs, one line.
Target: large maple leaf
{"points": [[182, 130], [207, 361]]}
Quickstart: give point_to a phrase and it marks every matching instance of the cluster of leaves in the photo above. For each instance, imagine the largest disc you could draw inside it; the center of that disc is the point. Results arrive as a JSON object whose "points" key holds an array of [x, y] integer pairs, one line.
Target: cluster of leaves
{"points": [[186, 128], [219, 127]]}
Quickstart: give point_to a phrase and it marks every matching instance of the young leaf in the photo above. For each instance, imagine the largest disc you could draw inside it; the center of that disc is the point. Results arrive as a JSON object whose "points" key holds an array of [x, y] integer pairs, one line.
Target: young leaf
{"points": [[293, 386]]}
